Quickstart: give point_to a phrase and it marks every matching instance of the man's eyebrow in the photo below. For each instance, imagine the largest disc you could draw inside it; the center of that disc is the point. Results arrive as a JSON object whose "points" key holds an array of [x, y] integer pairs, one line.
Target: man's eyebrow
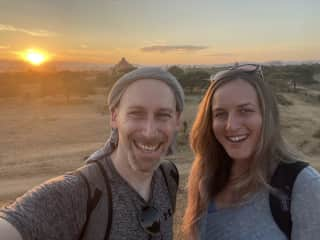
{"points": [[135, 107], [170, 110], [163, 109]]}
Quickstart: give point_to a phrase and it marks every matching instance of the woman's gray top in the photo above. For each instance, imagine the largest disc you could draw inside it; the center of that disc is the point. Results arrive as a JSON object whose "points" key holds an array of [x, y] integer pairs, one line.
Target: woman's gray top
{"points": [[252, 219]]}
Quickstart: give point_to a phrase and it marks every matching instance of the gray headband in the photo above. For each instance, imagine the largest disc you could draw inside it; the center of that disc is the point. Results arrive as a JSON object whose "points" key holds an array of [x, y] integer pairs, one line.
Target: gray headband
{"points": [[119, 88], [146, 73]]}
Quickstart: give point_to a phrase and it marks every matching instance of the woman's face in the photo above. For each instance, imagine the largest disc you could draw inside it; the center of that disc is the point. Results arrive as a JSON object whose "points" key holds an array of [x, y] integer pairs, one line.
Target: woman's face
{"points": [[237, 119]]}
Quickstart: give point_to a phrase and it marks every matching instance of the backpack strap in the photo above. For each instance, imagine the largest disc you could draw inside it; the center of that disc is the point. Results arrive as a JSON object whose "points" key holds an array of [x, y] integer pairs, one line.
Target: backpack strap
{"points": [[96, 178], [168, 170], [91, 203], [280, 201], [171, 177], [109, 193]]}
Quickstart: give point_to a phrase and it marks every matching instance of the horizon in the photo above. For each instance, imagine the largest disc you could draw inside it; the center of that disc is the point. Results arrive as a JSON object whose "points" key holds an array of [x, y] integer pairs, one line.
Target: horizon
{"points": [[180, 32], [52, 66]]}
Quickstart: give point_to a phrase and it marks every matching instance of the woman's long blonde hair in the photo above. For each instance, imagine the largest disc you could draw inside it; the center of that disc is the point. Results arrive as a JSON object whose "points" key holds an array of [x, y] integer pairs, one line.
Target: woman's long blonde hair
{"points": [[212, 166]]}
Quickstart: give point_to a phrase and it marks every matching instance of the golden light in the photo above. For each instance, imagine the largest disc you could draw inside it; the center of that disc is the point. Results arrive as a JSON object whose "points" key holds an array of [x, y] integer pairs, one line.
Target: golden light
{"points": [[35, 57]]}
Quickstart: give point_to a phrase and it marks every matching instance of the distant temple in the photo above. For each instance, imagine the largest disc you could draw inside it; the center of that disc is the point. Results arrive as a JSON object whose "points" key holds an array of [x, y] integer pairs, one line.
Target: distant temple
{"points": [[123, 66]]}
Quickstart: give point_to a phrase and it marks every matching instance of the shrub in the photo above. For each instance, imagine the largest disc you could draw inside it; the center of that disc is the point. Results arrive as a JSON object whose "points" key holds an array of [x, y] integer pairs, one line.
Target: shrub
{"points": [[283, 100], [316, 134]]}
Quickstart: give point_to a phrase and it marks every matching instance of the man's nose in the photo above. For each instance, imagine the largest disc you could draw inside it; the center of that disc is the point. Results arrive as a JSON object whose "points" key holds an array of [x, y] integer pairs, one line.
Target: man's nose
{"points": [[150, 128]]}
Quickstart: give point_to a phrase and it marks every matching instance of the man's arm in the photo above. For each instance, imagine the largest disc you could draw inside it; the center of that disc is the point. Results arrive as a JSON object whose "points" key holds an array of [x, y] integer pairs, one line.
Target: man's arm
{"points": [[8, 232], [53, 210]]}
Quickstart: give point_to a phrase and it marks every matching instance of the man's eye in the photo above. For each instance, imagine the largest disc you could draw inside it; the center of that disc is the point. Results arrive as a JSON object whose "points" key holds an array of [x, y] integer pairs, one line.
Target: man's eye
{"points": [[164, 115], [136, 114]]}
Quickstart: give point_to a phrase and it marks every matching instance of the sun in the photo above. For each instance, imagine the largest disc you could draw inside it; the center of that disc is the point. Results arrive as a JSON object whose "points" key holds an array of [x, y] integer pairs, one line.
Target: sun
{"points": [[35, 57]]}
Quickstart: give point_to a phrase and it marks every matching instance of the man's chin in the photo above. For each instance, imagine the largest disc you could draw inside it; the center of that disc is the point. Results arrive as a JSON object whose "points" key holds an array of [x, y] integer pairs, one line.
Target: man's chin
{"points": [[145, 165]]}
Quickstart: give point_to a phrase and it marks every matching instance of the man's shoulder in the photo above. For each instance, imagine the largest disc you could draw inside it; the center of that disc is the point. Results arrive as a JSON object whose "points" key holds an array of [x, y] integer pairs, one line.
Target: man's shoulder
{"points": [[171, 177], [65, 186], [66, 180], [169, 164], [169, 169]]}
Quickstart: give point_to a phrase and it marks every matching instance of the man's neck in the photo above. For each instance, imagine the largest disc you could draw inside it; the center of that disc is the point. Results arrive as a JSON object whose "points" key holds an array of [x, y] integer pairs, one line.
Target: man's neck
{"points": [[140, 181]]}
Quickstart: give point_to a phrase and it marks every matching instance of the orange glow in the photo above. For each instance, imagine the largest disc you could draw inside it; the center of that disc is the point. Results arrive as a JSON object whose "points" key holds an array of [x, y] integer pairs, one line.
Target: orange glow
{"points": [[35, 57]]}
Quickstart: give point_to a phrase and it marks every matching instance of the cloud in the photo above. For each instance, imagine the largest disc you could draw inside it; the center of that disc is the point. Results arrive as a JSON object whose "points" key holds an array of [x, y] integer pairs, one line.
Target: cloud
{"points": [[35, 33], [173, 48], [4, 47], [220, 55]]}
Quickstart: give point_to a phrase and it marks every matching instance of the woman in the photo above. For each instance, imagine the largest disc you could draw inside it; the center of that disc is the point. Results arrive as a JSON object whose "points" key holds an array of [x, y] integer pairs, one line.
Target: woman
{"points": [[238, 147]]}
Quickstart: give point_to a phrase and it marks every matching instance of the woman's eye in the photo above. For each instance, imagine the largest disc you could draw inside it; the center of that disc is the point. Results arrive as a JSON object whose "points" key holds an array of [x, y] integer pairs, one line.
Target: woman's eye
{"points": [[219, 114], [246, 110]]}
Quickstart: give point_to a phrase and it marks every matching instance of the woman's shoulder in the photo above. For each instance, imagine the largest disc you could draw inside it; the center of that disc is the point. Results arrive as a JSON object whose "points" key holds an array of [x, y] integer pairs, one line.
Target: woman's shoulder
{"points": [[307, 184], [308, 175], [305, 204]]}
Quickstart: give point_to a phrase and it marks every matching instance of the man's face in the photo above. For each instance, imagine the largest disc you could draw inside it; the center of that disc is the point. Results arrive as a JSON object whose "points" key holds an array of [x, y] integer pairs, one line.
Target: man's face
{"points": [[146, 120]]}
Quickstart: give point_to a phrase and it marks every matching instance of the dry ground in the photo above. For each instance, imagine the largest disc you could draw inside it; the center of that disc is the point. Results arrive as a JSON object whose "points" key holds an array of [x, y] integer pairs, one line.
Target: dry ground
{"points": [[42, 138]]}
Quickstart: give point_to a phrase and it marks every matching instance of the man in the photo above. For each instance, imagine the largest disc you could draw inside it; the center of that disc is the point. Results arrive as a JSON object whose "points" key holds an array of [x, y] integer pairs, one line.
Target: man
{"points": [[145, 107]]}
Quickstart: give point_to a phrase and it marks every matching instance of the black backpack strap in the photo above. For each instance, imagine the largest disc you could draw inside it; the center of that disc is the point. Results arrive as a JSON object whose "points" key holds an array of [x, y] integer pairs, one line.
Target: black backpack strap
{"points": [[110, 208], [171, 177], [91, 202], [280, 202]]}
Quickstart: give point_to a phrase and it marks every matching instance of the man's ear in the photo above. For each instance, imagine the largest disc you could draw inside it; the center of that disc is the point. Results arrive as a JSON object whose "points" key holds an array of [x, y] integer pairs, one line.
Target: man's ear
{"points": [[113, 118], [178, 120]]}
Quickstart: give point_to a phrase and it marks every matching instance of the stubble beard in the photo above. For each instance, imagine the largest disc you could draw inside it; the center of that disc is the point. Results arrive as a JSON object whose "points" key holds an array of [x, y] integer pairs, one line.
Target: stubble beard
{"points": [[139, 165]]}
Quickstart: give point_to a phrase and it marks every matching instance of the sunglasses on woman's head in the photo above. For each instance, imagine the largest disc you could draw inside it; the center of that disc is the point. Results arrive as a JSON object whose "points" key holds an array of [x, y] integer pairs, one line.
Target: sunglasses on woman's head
{"points": [[245, 68], [150, 220]]}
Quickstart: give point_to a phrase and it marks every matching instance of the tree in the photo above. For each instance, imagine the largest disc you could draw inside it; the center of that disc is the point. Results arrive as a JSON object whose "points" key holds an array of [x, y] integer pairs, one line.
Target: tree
{"points": [[195, 80], [176, 71]]}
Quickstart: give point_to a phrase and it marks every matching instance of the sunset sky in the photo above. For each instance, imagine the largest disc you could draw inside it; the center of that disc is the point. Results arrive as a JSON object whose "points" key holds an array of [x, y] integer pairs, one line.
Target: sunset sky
{"points": [[162, 31]]}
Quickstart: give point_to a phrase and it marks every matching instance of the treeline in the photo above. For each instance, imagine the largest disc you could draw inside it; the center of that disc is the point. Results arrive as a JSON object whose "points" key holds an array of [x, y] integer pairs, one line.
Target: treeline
{"points": [[52, 84], [43, 84], [279, 77], [81, 84], [192, 80]]}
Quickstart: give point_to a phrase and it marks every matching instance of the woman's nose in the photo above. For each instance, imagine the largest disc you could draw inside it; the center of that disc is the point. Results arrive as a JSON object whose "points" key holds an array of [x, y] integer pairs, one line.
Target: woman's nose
{"points": [[233, 122]]}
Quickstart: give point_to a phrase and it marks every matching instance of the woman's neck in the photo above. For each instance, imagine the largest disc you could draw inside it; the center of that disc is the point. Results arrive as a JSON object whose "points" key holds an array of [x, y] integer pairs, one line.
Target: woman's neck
{"points": [[230, 194], [238, 170]]}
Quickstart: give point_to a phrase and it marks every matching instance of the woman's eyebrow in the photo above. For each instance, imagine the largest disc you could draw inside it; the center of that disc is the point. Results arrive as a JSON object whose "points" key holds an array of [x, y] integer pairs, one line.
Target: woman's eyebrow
{"points": [[247, 105]]}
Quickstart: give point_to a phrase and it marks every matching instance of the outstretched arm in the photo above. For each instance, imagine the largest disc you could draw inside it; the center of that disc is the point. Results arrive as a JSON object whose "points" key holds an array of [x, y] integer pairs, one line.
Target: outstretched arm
{"points": [[53, 210], [8, 232]]}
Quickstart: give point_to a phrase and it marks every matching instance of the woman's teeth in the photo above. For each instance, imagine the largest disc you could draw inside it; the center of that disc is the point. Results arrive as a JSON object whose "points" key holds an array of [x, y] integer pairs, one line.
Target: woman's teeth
{"points": [[237, 138]]}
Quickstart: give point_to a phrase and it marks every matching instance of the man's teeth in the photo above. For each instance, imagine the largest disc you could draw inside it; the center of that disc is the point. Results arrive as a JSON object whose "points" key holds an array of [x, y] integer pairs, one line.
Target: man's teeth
{"points": [[148, 148], [238, 138]]}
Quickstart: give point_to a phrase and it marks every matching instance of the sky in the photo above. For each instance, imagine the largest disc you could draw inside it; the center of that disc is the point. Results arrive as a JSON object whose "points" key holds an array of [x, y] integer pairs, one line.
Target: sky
{"points": [[154, 32]]}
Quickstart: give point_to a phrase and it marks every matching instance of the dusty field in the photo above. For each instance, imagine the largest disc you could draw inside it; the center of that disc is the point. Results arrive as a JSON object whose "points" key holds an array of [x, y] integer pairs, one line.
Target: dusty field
{"points": [[44, 138]]}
